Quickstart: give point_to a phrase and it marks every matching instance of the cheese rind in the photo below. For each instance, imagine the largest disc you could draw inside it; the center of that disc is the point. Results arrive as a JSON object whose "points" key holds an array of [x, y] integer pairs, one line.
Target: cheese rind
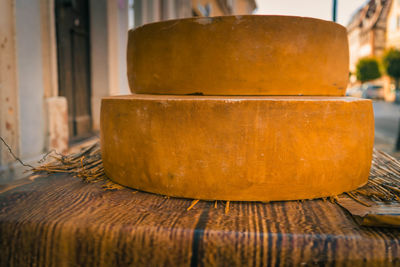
{"points": [[239, 55], [237, 148]]}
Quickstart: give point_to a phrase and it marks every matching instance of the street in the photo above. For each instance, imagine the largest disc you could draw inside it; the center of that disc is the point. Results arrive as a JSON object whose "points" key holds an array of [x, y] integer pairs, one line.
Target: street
{"points": [[387, 116]]}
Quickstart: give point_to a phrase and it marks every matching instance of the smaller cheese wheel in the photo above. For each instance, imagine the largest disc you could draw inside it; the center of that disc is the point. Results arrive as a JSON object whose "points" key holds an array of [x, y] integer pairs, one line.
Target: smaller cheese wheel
{"points": [[237, 148], [239, 55]]}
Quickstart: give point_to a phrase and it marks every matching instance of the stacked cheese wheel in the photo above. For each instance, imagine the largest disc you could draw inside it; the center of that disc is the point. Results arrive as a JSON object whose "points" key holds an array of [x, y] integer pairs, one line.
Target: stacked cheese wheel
{"points": [[245, 108]]}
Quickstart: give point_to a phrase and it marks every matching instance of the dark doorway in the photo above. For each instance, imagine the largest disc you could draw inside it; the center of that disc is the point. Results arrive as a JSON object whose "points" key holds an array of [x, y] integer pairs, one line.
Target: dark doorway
{"points": [[73, 47]]}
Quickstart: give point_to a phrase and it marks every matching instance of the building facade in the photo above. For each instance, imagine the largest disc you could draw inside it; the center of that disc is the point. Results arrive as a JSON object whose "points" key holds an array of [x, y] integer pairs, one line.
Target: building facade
{"points": [[393, 25], [58, 58], [392, 41], [367, 31], [147, 11]]}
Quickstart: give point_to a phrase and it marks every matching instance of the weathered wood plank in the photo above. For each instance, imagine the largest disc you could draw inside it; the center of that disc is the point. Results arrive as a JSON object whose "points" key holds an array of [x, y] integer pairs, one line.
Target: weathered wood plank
{"points": [[60, 221]]}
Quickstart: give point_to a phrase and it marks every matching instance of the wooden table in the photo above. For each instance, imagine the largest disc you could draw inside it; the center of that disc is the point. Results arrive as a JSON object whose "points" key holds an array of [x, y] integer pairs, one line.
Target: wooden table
{"points": [[61, 221]]}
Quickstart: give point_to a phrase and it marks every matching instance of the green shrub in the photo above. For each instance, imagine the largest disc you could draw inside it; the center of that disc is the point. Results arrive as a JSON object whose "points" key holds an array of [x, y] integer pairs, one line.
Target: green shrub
{"points": [[391, 64], [367, 69]]}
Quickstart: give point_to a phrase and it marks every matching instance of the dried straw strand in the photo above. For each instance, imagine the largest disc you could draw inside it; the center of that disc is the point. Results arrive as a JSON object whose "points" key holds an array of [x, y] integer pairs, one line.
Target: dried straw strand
{"points": [[383, 183], [194, 202], [227, 207]]}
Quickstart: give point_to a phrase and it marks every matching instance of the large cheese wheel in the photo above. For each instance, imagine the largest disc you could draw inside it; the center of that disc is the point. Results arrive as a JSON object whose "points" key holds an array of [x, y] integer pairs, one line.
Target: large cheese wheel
{"points": [[239, 55], [237, 148]]}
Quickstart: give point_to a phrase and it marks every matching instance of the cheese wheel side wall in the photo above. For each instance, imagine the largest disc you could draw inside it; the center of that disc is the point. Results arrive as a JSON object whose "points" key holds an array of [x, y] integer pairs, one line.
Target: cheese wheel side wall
{"points": [[239, 55], [237, 148]]}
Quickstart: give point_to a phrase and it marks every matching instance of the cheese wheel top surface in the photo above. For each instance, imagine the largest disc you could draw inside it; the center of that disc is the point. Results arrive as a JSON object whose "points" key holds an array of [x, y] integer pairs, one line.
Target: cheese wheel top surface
{"points": [[239, 55], [238, 148]]}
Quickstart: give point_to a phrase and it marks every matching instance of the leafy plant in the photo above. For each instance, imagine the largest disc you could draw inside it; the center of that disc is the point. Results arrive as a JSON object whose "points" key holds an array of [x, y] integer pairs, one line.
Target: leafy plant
{"points": [[391, 65], [367, 69]]}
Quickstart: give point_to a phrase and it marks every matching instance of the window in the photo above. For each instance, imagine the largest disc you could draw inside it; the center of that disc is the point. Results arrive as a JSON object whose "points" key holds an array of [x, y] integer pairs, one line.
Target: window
{"points": [[397, 22], [205, 10], [131, 14]]}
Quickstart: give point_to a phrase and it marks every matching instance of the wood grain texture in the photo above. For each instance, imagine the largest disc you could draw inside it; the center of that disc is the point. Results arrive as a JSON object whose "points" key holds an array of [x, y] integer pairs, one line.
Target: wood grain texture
{"points": [[61, 221]]}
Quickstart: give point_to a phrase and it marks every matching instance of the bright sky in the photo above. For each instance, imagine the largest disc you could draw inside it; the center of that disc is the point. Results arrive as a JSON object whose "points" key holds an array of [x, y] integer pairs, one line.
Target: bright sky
{"points": [[321, 9]]}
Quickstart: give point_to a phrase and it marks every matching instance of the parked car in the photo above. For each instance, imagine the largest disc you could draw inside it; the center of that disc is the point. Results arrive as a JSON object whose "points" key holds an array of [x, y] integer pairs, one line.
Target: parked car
{"points": [[355, 91], [372, 91]]}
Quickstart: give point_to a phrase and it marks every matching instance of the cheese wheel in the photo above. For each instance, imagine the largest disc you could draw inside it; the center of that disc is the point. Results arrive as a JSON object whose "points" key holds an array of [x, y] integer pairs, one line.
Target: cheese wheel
{"points": [[237, 148], [239, 55]]}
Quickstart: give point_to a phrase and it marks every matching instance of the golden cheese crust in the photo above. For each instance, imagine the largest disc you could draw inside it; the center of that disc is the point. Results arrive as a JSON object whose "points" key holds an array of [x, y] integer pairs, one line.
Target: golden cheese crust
{"points": [[239, 55], [238, 148]]}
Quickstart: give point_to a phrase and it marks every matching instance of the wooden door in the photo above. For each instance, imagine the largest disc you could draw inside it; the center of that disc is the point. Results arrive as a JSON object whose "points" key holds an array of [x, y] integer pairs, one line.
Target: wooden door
{"points": [[72, 26]]}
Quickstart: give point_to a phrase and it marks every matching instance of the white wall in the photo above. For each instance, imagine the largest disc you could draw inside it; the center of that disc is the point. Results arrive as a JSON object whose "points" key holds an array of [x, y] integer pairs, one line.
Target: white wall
{"points": [[22, 114], [30, 83], [123, 27], [108, 37], [99, 56]]}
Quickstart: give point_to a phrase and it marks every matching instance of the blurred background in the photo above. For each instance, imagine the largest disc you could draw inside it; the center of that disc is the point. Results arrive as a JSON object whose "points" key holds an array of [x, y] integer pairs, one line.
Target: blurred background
{"points": [[58, 58]]}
